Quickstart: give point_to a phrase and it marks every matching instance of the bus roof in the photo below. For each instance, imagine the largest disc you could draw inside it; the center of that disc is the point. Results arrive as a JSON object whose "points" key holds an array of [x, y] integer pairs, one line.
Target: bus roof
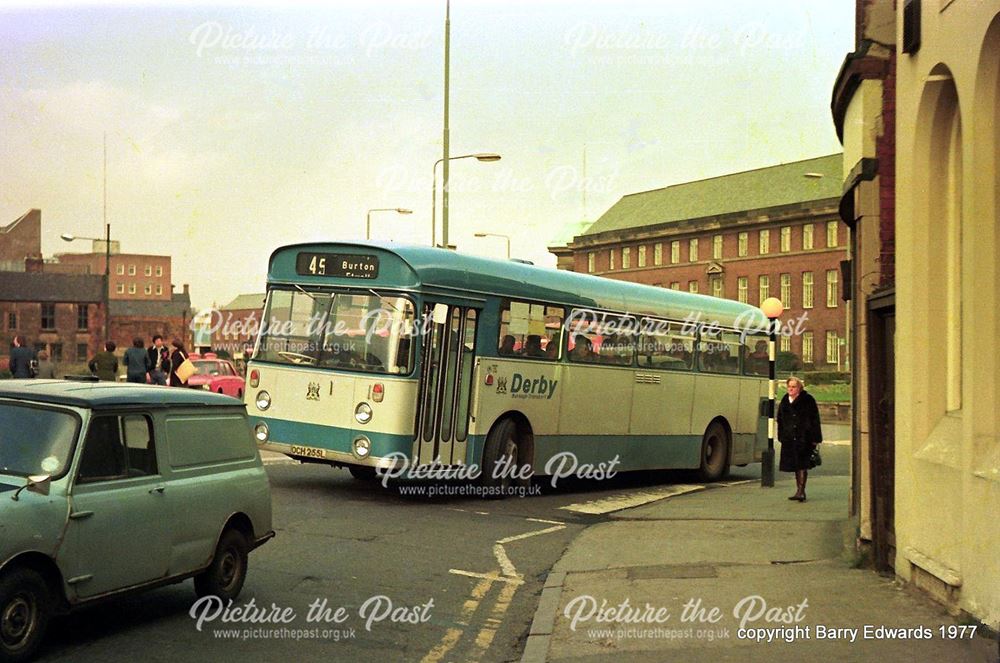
{"points": [[449, 272]]}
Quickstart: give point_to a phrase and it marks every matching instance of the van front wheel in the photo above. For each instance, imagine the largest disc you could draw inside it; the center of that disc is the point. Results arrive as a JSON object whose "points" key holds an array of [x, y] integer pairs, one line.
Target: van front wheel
{"points": [[24, 613], [225, 576]]}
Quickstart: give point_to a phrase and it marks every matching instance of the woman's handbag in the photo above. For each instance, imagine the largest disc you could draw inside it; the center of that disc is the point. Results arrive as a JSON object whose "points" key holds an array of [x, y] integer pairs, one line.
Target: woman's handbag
{"points": [[185, 370], [815, 460]]}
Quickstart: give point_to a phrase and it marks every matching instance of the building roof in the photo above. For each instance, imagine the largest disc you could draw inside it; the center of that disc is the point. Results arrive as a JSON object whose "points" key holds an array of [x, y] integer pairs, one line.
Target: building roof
{"points": [[179, 306], [245, 302], [436, 271], [45, 287], [109, 394], [763, 188], [568, 232]]}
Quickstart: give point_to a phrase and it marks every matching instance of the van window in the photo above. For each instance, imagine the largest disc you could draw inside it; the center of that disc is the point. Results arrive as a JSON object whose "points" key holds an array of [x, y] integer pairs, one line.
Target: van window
{"points": [[138, 430], [103, 452], [207, 439]]}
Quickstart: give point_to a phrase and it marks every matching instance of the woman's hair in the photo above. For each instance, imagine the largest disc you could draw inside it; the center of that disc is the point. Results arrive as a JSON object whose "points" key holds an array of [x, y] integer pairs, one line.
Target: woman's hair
{"points": [[792, 378], [137, 342], [177, 344], [110, 346]]}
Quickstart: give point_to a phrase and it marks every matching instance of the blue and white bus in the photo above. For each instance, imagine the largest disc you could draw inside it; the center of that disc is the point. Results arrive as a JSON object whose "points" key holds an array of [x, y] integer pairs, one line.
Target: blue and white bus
{"points": [[376, 352]]}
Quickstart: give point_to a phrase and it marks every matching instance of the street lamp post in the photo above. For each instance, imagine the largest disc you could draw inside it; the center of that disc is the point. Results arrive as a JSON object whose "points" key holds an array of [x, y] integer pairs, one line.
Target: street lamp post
{"points": [[368, 222], [506, 237], [772, 309], [107, 270], [478, 156]]}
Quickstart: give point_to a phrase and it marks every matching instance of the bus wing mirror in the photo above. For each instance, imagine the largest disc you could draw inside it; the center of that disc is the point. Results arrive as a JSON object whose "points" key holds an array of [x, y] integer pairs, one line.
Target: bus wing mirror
{"points": [[440, 314]]}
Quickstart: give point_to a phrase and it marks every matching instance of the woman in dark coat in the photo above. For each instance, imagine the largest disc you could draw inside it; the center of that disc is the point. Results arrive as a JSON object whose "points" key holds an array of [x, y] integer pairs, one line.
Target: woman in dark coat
{"points": [[799, 432]]}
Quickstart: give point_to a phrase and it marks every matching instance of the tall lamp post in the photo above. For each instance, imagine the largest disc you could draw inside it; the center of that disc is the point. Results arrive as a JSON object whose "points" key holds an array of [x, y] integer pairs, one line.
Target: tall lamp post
{"points": [[479, 156], [107, 270], [506, 237], [772, 309], [368, 222]]}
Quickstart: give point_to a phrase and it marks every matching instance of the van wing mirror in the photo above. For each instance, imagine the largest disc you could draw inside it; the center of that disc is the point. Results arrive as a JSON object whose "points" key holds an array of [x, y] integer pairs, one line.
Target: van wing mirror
{"points": [[36, 484]]}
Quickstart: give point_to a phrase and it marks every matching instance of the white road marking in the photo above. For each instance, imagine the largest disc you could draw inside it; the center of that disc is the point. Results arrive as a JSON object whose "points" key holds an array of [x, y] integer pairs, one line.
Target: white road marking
{"points": [[486, 576], [528, 535], [505, 564], [542, 520], [632, 499]]}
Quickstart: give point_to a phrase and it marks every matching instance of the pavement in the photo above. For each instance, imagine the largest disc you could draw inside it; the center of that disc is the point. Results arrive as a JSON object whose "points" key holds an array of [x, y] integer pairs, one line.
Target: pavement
{"points": [[713, 575]]}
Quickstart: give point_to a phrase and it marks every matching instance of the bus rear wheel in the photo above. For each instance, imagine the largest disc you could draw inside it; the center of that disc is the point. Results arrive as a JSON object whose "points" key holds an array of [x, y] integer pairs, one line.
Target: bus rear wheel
{"points": [[714, 453], [362, 472], [500, 456]]}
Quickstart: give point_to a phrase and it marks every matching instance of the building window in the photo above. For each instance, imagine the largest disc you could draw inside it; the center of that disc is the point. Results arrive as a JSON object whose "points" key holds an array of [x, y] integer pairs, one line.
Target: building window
{"points": [[658, 254], [831, 234], [807, 237], [48, 316], [642, 256], [590, 262], [675, 252], [159, 289], [159, 270], [120, 270], [12, 321], [786, 239], [131, 270], [693, 250], [149, 270], [693, 286], [717, 247], [675, 285], [807, 347], [82, 319], [765, 241], [81, 352], [131, 288], [744, 243], [786, 291], [785, 343], [832, 289], [807, 289], [832, 348], [611, 260], [148, 289], [120, 288], [764, 287], [626, 257], [742, 289], [716, 286]]}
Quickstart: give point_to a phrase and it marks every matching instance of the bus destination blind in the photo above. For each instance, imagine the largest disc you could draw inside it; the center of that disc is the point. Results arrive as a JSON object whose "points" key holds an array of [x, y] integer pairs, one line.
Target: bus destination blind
{"points": [[336, 264]]}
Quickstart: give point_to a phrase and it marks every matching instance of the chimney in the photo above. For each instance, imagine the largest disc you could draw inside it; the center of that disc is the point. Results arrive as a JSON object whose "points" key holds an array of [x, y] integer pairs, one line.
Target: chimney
{"points": [[186, 290], [33, 264]]}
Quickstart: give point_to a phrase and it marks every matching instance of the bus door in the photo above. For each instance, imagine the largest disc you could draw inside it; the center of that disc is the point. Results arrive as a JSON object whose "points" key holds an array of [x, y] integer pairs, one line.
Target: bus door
{"points": [[448, 357]]}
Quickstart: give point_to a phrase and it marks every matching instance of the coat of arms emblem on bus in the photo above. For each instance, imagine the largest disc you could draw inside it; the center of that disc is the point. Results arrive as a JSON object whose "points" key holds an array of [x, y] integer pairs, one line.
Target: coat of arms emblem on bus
{"points": [[501, 385], [312, 391]]}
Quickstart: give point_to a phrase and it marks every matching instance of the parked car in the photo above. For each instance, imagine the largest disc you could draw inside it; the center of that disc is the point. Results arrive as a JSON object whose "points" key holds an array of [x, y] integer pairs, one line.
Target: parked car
{"points": [[218, 375], [108, 488]]}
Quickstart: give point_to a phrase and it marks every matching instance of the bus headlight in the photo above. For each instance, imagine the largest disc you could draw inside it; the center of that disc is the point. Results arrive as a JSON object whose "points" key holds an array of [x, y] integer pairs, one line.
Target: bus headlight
{"points": [[362, 446], [261, 432], [263, 400], [363, 413]]}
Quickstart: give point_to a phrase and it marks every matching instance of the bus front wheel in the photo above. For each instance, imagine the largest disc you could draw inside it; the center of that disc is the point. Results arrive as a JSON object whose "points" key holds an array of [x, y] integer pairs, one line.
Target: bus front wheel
{"points": [[714, 453], [500, 455]]}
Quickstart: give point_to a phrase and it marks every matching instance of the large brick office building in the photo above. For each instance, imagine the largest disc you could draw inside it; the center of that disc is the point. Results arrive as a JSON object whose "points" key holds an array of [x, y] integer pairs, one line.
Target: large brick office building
{"points": [[747, 236]]}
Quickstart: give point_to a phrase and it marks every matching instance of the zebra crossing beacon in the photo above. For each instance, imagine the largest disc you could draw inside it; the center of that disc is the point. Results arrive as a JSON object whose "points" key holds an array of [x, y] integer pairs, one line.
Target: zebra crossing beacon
{"points": [[376, 355], [772, 308]]}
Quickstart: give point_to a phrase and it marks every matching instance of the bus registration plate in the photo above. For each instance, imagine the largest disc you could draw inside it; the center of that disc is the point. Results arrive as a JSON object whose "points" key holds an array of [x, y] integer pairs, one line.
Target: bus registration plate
{"points": [[308, 452]]}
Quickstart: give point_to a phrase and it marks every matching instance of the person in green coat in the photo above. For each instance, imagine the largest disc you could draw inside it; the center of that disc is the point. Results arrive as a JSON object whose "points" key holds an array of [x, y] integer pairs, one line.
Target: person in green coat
{"points": [[104, 364]]}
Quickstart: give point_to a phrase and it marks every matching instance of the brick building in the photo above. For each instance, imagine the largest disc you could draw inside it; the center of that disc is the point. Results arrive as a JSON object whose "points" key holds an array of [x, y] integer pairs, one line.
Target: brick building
{"points": [[747, 236], [133, 276], [236, 323], [58, 305]]}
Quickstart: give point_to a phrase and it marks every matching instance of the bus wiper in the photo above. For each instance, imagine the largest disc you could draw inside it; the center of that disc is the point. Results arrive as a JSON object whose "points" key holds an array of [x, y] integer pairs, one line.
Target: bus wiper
{"points": [[307, 294], [384, 300]]}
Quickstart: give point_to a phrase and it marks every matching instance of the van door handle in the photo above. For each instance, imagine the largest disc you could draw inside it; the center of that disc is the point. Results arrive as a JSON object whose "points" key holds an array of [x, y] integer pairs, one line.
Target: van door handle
{"points": [[80, 515], [157, 489]]}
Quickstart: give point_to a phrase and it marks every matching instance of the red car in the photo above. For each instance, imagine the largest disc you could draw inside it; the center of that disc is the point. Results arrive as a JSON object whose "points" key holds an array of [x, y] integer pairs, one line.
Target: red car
{"points": [[216, 375]]}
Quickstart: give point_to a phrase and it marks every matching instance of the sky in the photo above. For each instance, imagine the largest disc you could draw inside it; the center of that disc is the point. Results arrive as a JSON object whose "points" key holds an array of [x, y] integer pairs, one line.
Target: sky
{"points": [[234, 130]]}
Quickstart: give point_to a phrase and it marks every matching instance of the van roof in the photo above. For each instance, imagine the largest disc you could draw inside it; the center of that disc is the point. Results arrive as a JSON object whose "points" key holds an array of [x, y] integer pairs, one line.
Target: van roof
{"points": [[110, 394]]}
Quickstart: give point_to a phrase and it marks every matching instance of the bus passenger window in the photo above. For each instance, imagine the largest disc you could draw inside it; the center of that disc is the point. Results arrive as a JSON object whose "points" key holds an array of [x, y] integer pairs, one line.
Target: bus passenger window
{"points": [[530, 330]]}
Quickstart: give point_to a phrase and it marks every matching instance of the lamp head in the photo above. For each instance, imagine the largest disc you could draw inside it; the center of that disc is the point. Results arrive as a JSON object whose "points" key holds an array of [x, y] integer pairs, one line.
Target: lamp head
{"points": [[402, 210], [772, 308], [67, 237], [487, 156]]}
